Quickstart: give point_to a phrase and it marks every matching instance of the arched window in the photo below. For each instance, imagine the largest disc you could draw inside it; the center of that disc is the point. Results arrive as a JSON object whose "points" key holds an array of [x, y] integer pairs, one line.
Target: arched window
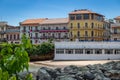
{"points": [[71, 25], [56, 28], [78, 24], [92, 33], [86, 24], [86, 33], [92, 25], [78, 34], [14, 36]]}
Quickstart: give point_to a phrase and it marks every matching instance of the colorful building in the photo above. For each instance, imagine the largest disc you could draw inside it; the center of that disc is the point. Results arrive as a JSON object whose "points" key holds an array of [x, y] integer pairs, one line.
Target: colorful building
{"points": [[86, 25], [55, 29], [3, 27], [13, 34], [106, 33], [31, 27], [115, 29]]}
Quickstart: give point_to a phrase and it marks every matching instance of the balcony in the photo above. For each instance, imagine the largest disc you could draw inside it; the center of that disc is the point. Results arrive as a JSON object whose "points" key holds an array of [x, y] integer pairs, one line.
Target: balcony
{"points": [[2, 32], [36, 30], [34, 37], [60, 30]]}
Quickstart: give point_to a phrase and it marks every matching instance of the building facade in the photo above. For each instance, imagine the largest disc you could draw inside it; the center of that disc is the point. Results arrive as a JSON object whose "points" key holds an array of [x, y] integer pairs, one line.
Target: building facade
{"points": [[55, 29], [3, 28], [106, 33], [31, 28], [86, 25], [115, 29], [13, 34], [87, 50]]}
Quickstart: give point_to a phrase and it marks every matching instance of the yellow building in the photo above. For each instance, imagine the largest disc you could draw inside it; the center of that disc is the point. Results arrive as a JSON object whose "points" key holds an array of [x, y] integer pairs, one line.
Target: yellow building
{"points": [[86, 25]]}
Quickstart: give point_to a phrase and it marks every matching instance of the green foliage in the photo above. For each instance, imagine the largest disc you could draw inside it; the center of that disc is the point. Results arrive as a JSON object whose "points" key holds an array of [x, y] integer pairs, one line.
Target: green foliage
{"points": [[5, 76], [14, 59], [29, 77], [45, 48]]}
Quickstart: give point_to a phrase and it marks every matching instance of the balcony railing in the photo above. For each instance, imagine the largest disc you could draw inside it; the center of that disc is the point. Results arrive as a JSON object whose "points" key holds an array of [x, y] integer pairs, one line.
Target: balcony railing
{"points": [[42, 31], [2, 32]]}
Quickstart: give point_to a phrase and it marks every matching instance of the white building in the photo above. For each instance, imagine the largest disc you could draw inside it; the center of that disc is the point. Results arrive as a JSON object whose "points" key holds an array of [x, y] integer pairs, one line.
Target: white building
{"points": [[56, 29], [87, 50], [41, 30], [31, 27]]}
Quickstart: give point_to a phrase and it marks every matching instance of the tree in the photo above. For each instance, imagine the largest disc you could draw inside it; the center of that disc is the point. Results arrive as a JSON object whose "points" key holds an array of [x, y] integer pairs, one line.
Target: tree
{"points": [[15, 60]]}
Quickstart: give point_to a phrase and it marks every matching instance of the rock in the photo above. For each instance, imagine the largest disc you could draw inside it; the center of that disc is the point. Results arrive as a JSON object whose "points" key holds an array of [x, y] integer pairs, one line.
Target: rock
{"points": [[59, 70], [42, 74], [23, 75], [51, 72], [66, 77], [71, 69], [106, 78], [88, 76], [84, 69]]}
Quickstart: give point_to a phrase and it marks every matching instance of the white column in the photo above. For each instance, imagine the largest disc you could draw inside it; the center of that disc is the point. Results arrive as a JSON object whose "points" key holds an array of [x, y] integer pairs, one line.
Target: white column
{"points": [[73, 51], [103, 51], [93, 51], [64, 51], [83, 51], [113, 51]]}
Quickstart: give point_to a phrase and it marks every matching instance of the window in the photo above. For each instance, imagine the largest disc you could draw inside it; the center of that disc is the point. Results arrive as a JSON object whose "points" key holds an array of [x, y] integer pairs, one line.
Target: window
{"points": [[10, 37], [59, 35], [78, 34], [36, 35], [59, 51], [72, 17], [115, 39], [18, 36], [86, 25], [24, 28], [92, 25], [78, 51], [36, 28], [71, 34], [92, 33], [64, 27], [88, 51], [36, 41], [43, 28], [98, 51], [78, 24], [49, 28], [71, 25], [86, 33], [115, 31], [85, 16], [117, 51], [57, 28], [7, 37], [78, 17], [107, 51], [69, 51], [14, 36]]}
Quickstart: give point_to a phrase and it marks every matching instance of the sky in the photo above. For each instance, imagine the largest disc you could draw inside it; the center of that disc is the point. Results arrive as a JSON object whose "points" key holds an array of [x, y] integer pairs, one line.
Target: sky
{"points": [[15, 11]]}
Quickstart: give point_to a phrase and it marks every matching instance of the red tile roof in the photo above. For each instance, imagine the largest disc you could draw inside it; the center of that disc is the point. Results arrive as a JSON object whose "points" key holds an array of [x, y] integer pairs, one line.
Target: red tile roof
{"points": [[32, 21], [117, 18], [55, 21]]}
